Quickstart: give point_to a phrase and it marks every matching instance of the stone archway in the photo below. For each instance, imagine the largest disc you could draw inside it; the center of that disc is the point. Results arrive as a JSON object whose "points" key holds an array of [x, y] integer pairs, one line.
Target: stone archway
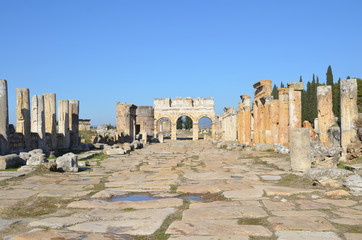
{"points": [[195, 108]]}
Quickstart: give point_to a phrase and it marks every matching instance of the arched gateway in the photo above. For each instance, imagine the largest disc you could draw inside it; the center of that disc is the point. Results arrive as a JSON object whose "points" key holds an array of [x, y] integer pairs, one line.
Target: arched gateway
{"points": [[195, 108]]}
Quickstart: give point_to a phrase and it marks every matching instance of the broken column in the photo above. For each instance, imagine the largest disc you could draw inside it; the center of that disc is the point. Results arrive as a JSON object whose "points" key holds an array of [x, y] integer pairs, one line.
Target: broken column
{"points": [[246, 118], [74, 123], [325, 113], [38, 120], [173, 129], [50, 118], [274, 121], [241, 133], [349, 113], [4, 117], [195, 130], [63, 122], [263, 89], [295, 104], [300, 154], [283, 116], [23, 115], [267, 119]]}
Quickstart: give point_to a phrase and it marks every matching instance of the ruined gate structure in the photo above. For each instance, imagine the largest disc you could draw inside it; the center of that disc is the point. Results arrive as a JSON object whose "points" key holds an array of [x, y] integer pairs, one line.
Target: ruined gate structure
{"points": [[195, 108]]}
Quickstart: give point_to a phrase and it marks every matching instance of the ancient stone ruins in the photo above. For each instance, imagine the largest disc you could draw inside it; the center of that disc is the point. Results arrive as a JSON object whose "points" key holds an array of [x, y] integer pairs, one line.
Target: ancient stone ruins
{"points": [[257, 172]]}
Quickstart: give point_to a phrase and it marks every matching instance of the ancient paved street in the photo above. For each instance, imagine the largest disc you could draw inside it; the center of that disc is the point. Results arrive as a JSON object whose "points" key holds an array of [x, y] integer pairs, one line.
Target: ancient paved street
{"points": [[180, 190]]}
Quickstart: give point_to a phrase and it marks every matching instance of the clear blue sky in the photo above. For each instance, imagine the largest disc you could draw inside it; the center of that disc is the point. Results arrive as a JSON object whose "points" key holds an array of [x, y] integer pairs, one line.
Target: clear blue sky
{"points": [[102, 52]]}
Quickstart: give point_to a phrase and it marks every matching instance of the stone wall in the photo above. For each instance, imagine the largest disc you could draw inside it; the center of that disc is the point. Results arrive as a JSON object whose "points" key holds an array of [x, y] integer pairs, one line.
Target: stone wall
{"points": [[145, 119]]}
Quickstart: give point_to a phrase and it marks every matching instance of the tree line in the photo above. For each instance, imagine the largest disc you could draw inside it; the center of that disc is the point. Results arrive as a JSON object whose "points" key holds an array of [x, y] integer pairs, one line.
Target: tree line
{"points": [[309, 95]]}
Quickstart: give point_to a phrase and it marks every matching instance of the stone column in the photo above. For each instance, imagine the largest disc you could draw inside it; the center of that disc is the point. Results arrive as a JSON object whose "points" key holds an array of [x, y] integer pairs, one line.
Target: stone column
{"points": [[63, 122], [38, 120], [173, 129], [246, 118], [241, 133], [256, 123], [325, 113], [213, 129], [50, 118], [195, 131], [295, 105], [74, 122], [349, 113], [4, 118], [284, 116], [23, 115], [267, 119], [300, 157], [274, 116]]}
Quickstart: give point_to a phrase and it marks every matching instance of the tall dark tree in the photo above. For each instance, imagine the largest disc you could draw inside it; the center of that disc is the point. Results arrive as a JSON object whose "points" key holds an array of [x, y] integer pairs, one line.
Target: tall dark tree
{"points": [[336, 99], [179, 123], [282, 85], [300, 78], [359, 95], [275, 92], [188, 123], [329, 76]]}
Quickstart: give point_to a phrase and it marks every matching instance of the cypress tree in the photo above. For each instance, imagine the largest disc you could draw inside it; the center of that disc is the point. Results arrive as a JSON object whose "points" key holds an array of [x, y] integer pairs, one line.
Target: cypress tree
{"points": [[179, 123], [275, 92], [282, 85], [300, 78], [188, 123], [359, 94], [329, 76], [336, 98]]}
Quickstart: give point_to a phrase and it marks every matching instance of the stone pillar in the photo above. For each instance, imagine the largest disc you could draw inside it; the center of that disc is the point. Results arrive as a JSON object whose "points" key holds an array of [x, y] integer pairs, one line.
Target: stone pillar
{"points": [[295, 105], [349, 113], [325, 113], [213, 129], [195, 131], [23, 115], [316, 125], [300, 157], [267, 119], [274, 121], [173, 130], [63, 122], [241, 133], [284, 116], [4, 118], [246, 118], [126, 120], [51, 118], [255, 124], [74, 122], [38, 120]]}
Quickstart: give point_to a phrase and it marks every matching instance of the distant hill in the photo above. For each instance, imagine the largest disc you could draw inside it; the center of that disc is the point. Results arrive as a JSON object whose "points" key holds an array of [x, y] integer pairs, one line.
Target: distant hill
{"points": [[205, 123]]}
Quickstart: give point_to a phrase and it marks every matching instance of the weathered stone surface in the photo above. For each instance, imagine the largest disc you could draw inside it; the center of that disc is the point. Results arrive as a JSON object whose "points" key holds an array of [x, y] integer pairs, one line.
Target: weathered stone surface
{"points": [[63, 122], [311, 213], [4, 118], [4, 223], [325, 113], [325, 156], [56, 222], [308, 125], [50, 118], [295, 105], [67, 163], [23, 115], [354, 182], [300, 157], [353, 236], [216, 228], [281, 206], [284, 116], [327, 176], [243, 194], [74, 123], [349, 112], [11, 161], [303, 235], [38, 120], [195, 237], [301, 223], [142, 222], [37, 157]]}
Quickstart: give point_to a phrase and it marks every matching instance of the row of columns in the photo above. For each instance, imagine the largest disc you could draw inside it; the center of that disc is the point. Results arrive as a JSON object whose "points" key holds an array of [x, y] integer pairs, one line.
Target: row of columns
{"points": [[40, 120]]}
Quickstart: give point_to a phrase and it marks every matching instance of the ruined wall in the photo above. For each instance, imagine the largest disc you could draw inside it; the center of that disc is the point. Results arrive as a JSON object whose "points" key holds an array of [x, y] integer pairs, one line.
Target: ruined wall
{"points": [[229, 124], [145, 118], [126, 120]]}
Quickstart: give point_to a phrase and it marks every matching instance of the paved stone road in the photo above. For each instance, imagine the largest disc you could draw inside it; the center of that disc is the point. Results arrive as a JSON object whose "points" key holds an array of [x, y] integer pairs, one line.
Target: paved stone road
{"points": [[188, 190]]}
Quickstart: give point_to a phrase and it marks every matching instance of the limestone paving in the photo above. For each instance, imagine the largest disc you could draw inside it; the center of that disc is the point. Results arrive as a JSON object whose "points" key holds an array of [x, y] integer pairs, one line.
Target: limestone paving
{"points": [[179, 190]]}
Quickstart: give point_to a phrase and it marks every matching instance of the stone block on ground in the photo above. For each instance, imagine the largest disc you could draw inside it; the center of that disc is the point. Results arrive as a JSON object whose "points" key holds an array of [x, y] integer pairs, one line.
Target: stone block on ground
{"points": [[328, 176], [11, 161], [67, 163], [37, 157]]}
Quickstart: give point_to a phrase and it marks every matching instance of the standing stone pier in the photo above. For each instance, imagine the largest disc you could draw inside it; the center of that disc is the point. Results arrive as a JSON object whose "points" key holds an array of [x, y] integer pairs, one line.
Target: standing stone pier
{"points": [[4, 117], [295, 105], [274, 121], [300, 153], [38, 120], [244, 117], [325, 112], [267, 119], [349, 113], [23, 115], [63, 122], [50, 118], [74, 122], [284, 116]]}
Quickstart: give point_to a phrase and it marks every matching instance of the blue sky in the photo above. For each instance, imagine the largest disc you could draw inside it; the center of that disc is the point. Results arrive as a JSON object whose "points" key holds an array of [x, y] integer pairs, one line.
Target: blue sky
{"points": [[102, 52]]}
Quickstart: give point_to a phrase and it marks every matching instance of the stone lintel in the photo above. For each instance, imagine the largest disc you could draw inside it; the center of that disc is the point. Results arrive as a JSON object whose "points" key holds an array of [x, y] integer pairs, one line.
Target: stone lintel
{"points": [[297, 86]]}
